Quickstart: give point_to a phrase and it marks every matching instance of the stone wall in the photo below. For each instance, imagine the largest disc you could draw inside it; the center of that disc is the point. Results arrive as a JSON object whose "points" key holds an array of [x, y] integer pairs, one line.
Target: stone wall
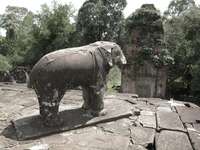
{"points": [[18, 74], [144, 30], [146, 81]]}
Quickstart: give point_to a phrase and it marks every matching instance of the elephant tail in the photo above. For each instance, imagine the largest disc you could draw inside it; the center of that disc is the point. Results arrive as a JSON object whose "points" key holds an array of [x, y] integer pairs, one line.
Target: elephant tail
{"points": [[28, 80]]}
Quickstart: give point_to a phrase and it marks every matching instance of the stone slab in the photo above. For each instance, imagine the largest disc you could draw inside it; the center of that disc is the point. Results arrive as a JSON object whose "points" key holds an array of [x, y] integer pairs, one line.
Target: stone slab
{"points": [[195, 139], [197, 126], [142, 136], [119, 127], [169, 120], [32, 127], [136, 147], [172, 140], [157, 102], [147, 119], [164, 109], [96, 140], [188, 114]]}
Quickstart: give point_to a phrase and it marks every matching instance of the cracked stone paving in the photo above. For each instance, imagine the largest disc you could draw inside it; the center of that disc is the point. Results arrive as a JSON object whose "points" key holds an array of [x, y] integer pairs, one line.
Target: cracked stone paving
{"points": [[131, 123]]}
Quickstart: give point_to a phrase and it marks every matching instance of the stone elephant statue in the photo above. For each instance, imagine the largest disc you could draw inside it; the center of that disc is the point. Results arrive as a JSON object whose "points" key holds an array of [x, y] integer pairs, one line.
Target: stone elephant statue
{"points": [[86, 66]]}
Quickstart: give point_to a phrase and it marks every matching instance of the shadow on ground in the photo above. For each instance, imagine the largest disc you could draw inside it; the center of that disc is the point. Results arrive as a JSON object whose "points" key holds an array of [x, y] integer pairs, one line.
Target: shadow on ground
{"points": [[32, 127]]}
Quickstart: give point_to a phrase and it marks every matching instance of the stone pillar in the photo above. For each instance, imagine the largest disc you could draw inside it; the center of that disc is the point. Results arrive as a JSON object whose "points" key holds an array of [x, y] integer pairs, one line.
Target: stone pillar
{"points": [[144, 29]]}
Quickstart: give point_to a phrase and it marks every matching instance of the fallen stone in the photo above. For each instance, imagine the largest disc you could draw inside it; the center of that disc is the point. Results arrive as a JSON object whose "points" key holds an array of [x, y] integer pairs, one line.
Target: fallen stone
{"points": [[142, 136], [188, 115], [169, 120], [32, 127], [172, 140]]}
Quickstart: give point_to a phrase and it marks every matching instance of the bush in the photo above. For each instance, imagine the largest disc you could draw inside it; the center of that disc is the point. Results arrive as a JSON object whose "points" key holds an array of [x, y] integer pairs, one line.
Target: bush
{"points": [[4, 64]]}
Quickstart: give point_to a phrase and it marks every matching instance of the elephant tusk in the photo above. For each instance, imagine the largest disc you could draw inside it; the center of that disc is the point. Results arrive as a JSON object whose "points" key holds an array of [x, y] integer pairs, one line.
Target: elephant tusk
{"points": [[124, 60]]}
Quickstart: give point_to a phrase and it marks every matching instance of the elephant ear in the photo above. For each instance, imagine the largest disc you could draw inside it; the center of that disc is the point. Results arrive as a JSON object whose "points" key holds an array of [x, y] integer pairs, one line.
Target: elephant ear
{"points": [[106, 48], [108, 56]]}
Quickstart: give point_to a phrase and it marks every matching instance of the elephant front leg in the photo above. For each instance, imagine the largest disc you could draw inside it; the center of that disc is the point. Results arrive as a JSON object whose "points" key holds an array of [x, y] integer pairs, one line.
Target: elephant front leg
{"points": [[96, 102]]}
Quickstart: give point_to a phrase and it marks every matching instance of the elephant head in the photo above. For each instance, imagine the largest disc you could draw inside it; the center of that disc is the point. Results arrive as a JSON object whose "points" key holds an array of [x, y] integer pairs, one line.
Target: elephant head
{"points": [[113, 52], [117, 56]]}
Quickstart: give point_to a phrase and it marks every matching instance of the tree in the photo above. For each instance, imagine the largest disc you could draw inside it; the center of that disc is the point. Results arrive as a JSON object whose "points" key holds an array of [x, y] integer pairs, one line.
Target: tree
{"points": [[100, 20], [192, 34], [4, 64], [12, 19], [29, 36], [13, 22], [52, 30], [183, 40], [176, 7]]}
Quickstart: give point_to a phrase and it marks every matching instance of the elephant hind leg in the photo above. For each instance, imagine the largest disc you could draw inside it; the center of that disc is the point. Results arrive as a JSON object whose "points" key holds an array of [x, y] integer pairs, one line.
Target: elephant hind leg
{"points": [[49, 107], [86, 97]]}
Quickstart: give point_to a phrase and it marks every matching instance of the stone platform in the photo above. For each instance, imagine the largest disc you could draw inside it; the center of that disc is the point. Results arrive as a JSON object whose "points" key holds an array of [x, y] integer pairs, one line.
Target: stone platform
{"points": [[131, 123]]}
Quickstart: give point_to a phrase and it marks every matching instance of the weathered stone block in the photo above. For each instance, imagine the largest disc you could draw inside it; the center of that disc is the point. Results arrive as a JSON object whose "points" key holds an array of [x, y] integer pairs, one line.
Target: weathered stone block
{"points": [[188, 114], [195, 139], [172, 140], [147, 119], [142, 136], [169, 120]]}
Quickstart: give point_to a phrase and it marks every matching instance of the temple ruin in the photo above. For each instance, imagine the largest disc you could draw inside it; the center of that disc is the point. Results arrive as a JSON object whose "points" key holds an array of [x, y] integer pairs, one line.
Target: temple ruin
{"points": [[143, 74]]}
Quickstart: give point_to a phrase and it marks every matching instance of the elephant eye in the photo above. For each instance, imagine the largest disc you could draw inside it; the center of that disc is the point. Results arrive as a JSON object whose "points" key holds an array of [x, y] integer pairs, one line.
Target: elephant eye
{"points": [[115, 52], [118, 53]]}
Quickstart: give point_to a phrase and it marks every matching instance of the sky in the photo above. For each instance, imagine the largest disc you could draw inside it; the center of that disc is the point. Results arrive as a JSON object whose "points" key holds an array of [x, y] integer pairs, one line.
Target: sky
{"points": [[132, 5], [34, 5]]}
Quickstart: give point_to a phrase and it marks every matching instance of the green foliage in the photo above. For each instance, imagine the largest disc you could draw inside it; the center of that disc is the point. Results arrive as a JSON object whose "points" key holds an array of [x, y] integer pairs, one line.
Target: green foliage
{"points": [[146, 26], [12, 19], [158, 58], [146, 15], [100, 20], [4, 64], [114, 79], [183, 41], [195, 86], [51, 31], [4, 46], [177, 7], [147, 23], [15, 22]]}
